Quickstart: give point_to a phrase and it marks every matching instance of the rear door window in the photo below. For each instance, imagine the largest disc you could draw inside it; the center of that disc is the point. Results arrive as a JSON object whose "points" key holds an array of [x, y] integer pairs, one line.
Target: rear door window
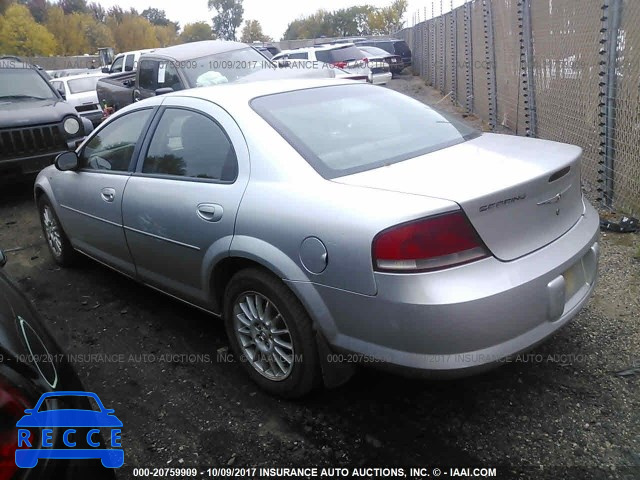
{"points": [[189, 144]]}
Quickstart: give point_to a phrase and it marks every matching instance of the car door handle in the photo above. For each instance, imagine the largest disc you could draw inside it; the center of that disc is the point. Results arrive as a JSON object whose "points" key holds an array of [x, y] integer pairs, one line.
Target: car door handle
{"points": [[210, 212], [108, 194]]}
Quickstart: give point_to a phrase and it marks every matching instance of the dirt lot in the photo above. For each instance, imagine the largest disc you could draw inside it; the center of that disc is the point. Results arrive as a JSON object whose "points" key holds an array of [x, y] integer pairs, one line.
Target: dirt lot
{"points": [[569, 403]]}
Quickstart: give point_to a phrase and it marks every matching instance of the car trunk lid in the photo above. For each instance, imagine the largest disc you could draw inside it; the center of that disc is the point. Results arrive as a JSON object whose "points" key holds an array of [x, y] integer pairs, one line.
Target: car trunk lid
{"points": [[519, 194]]}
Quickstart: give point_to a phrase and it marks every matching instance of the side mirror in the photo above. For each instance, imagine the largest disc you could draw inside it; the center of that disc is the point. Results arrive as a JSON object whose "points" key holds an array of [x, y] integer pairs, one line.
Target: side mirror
{"points": [[62, 93], [3, 259], [106, 70], [67, 161], [164, 91]]}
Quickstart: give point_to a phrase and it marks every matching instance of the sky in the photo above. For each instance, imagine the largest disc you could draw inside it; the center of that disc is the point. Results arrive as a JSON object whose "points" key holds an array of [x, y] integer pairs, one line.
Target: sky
{"points": [[274, 15]]}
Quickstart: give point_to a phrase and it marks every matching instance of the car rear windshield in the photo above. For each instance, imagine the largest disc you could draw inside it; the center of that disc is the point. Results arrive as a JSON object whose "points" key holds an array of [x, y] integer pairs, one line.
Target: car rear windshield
{"points": [[348, 129], [82, 85], [23, 83], [224, 67], [401, 48], [342, 54]]}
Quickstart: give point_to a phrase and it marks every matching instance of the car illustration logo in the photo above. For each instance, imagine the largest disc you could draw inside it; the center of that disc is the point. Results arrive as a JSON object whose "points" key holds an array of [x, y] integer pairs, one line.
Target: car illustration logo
{"points": [[68, 433]]}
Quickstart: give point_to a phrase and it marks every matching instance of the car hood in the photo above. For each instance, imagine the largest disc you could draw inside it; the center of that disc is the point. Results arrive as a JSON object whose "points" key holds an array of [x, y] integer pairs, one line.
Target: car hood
{"points": [[21, 113]]}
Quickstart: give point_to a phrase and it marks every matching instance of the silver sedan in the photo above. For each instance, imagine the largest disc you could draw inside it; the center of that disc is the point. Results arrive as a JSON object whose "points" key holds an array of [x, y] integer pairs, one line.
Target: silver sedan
{"points": [[328, 223]]}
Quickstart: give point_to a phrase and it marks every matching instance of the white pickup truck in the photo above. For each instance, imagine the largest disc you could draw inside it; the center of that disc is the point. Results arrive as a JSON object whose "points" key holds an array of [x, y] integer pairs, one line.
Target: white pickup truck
{"points": [[125, 62]]}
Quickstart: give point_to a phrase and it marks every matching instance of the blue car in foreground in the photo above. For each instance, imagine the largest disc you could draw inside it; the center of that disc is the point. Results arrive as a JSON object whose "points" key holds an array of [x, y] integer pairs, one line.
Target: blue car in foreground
{"points": [[79, 428]]}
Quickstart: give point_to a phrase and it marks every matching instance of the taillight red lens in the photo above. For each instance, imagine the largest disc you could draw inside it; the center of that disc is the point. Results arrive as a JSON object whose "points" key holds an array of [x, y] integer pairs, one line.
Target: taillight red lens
{"points": [[340, 64], [365, 60], [12, 405], [433, 243]]}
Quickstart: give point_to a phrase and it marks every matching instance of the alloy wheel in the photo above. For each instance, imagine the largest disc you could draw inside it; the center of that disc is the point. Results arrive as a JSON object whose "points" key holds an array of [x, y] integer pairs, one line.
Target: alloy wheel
{"points": [[263, 336]]}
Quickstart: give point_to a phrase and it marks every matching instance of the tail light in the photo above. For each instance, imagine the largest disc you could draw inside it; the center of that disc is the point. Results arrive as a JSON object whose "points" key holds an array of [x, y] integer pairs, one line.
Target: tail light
{"points": [[433, 243], [12, 405], [340, 64], [365, 61]]}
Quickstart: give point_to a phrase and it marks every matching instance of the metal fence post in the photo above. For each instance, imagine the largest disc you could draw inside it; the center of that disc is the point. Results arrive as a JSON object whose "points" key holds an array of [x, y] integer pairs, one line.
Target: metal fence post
{"points": [[611, 19], [454, 56], [490, 59], [434, 55], [468, 54], [443, 45], [527, 68]]}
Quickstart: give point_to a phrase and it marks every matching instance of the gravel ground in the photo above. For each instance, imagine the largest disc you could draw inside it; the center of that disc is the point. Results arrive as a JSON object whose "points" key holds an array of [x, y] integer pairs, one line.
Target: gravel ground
{"points": [[574, 402]]}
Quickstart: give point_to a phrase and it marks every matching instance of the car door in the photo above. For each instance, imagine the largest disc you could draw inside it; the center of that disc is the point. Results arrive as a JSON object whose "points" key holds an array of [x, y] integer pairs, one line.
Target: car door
{"points": [[90, 198], [180, 205]]}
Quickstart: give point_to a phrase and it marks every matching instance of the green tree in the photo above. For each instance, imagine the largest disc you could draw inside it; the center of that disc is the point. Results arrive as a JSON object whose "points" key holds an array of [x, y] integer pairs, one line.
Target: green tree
{"points": [[252, 32], [98, 35], [38, 9], [69, 31], [98, 12], [4, 5], [74, 6], [21, 35], [388, 20], [196, 32], [166, 34], [132, 33], [228, 17]]}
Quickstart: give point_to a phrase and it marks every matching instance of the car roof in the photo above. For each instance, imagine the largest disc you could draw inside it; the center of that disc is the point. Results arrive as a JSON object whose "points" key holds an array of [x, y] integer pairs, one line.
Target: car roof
{"points": [[324, 46], [243, 93], [190, 51], [75, 77]]}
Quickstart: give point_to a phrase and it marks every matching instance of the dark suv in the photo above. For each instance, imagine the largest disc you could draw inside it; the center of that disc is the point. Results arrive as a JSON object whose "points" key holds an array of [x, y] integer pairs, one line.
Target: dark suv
{"points": [[36, 124], [392, 45]]}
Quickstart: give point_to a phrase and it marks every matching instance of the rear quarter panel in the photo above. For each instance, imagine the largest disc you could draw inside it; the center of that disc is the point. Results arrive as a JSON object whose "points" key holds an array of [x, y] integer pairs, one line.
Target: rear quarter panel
{"points": [[287, 201]]}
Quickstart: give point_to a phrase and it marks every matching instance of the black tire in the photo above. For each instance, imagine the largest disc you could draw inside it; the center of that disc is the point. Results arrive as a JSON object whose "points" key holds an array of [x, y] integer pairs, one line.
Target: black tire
{"points": [[305, 370], [64, 255]]}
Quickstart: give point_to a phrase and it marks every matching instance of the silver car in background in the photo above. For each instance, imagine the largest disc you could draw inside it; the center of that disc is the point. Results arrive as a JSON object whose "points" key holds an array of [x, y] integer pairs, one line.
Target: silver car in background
{"points": [[328, 221]]}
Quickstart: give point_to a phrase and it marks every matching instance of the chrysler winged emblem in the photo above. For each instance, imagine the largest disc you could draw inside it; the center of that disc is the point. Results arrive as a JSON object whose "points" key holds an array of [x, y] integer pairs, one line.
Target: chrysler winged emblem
{"points": [[556, 198]]}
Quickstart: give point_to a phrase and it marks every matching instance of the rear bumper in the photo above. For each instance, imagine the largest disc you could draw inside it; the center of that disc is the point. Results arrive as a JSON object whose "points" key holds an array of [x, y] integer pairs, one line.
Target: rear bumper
{"points": [[381, 78], [465, 319]]}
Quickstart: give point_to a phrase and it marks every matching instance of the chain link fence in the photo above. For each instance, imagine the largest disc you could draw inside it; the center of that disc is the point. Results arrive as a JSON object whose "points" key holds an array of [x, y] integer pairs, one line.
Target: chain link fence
{"points": [[562, 70]]}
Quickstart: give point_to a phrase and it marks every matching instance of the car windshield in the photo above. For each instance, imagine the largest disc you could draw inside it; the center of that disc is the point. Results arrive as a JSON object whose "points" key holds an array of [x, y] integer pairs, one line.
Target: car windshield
{"points": [[23, 84], [347, 53], [82, 85], [347, 129], [225, 67]]}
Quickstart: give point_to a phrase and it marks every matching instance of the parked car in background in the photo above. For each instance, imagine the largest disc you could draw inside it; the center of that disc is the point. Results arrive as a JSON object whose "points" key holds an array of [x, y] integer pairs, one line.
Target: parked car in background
{"points": [[32, 365], [80, 92], [70, 71], [344, 56], [35, 122], [463, 248], [125, 62], [393, 46], [267, 50], [181, 67], [379, 55]]}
